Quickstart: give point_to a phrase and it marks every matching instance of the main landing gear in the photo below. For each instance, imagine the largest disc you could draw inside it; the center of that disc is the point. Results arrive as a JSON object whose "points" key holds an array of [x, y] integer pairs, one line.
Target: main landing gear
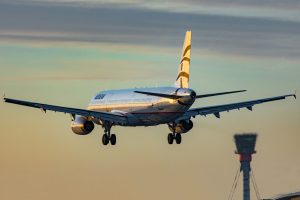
{"points": [[174, 136], [107, 137]]}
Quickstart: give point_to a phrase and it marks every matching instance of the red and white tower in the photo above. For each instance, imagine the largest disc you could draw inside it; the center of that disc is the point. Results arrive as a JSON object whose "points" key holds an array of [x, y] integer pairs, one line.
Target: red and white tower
{"points": [[245, 145]]}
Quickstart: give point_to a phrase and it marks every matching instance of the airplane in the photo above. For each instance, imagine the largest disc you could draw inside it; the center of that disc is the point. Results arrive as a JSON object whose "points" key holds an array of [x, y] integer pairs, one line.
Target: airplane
{"points": [[147, 106]]}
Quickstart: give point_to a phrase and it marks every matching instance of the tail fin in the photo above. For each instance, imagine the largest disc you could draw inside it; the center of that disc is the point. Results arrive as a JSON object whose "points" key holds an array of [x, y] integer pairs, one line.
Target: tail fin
{"points": [[183, 76]]}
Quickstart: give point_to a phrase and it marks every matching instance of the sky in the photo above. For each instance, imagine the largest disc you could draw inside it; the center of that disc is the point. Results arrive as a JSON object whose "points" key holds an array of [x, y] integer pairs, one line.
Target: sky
{"points": [[62, 52]]}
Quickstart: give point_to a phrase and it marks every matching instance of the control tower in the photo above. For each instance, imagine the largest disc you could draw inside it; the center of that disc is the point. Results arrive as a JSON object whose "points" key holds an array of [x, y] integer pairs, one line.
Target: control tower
{"points": [[245, 145]]}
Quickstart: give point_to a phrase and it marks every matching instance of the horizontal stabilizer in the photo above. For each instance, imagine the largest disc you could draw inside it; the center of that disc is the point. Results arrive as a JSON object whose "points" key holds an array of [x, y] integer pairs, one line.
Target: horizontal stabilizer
{"points": [[220, 93], [170, 96]]}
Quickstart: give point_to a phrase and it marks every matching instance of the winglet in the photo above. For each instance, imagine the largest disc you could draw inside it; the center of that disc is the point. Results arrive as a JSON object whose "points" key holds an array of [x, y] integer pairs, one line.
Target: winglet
{"points": [[295, 94]]}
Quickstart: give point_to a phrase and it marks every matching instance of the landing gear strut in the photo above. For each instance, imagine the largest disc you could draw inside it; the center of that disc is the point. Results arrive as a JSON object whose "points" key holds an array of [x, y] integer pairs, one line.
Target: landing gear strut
{"points": [[107, 137]]}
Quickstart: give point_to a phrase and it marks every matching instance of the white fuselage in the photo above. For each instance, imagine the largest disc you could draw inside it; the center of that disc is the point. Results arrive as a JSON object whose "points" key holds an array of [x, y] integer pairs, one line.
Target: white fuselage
{"points": [[144, 110]]}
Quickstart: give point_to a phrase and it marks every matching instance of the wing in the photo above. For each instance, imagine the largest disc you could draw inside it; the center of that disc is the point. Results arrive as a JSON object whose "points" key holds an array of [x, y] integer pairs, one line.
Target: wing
{"points": [[104, 116], [227, 107]]}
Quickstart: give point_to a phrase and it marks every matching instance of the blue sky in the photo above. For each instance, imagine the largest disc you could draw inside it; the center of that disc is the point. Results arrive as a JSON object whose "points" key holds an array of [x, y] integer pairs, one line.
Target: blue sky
{"points": [[63, 52]]}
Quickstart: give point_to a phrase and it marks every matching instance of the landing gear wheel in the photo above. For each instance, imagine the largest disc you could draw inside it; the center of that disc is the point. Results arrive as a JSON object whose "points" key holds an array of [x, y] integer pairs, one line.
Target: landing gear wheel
{"points": [[170, 138], [178, 138], [105, 139], [113, 139]]}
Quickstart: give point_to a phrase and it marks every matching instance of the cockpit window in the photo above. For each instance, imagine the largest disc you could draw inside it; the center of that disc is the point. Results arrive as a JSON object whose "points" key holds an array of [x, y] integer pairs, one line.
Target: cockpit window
{"points": [[100, 96]]}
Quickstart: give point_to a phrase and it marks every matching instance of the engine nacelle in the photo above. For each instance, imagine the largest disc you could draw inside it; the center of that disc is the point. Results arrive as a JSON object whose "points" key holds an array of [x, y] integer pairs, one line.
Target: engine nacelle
{"points": [[82, 126], [182, 127]]}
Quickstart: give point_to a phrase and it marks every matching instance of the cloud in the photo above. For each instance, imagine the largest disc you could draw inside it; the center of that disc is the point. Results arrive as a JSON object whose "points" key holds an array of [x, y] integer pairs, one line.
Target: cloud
{"points": [[287, 4], [55, 78], [276, 9], [136, 25]]}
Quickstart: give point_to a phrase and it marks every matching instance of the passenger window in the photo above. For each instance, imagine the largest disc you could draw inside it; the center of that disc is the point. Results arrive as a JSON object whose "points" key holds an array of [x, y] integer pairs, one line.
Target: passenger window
{"points": [[100, 96]]}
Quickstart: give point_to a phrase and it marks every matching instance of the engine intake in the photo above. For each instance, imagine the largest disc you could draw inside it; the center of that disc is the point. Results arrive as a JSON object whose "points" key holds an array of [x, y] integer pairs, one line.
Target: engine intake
{"points": [[181, 127], [82, 126]]}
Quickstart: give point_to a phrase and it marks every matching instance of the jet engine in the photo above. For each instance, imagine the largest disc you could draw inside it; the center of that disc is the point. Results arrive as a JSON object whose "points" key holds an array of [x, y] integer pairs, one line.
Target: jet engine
{"points": [[81, 126], [181, 127]]}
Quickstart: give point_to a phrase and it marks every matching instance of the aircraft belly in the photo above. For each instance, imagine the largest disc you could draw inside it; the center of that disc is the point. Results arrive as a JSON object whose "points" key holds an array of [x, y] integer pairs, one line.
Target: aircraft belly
{"points": [[148, 116], [157, 115], [155, 118]]}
